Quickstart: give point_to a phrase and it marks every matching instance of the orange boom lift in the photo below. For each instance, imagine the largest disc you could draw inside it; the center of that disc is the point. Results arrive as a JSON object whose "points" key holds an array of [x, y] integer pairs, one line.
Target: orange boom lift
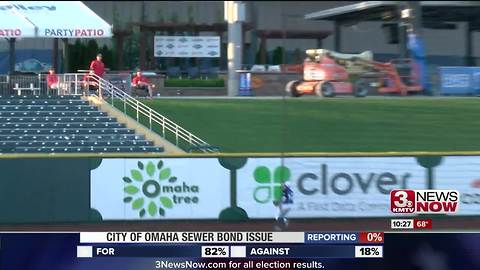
{"points": [[327, 73]]}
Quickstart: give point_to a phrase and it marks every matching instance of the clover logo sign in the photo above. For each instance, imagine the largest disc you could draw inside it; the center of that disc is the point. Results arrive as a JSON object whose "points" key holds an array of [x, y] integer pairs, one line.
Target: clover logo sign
{"points": [[269, 186], [144, 189]]}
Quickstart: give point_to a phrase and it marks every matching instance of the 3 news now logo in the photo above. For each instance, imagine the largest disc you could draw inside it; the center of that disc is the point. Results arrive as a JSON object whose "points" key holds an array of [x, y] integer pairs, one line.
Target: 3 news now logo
{"points": [[407, 201]]}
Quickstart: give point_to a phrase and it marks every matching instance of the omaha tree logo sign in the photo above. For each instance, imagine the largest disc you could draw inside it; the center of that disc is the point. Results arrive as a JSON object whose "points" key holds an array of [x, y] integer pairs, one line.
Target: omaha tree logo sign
{"points": [[269, 186], [152, 189]]}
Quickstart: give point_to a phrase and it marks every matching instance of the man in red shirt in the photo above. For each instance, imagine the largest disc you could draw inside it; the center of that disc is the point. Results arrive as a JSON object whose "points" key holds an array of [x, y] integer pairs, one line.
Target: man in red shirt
{"points": [[98, 66], [52, 81], [140, 82]]}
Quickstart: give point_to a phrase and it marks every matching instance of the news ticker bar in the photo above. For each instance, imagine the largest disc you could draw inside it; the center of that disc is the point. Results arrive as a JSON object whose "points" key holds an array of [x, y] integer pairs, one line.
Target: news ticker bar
{"points": [[225, 251], [233, 237], [411, 224]]}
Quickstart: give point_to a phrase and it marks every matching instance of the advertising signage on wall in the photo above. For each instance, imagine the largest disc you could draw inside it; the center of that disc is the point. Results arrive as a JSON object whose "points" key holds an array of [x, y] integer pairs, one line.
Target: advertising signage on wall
{"points": [[462, 174], [187, 46], [154, 188], [327, 187], [199, 188], [459, 80]]}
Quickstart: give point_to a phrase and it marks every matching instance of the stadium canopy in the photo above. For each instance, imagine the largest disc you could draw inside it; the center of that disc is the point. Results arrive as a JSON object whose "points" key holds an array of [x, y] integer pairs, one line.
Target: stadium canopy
{"points": [[14, 24], [49, 19], [435, 15]]}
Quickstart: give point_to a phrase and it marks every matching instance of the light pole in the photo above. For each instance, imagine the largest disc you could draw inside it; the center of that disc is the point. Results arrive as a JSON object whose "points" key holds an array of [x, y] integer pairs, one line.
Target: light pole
{"points": [[234, 15]]}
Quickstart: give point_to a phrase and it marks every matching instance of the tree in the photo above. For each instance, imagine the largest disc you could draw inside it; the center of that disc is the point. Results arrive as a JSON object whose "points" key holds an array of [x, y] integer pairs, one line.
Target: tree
{"points": [[80, 55], [108, 57], [258, 57], [91, 51], [297, 56], [277, 57], [131, 48], [75, 55]]}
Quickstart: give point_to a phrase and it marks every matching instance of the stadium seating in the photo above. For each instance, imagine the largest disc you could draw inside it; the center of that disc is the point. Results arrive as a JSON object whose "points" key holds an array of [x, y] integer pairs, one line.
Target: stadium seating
{"points": [[63, 124]]}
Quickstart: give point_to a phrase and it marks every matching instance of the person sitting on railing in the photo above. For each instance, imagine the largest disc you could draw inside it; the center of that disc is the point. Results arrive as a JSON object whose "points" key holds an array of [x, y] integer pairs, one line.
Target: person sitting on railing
{"points": [[98, 66], [52, 81], [140, 82], [89, 82]]}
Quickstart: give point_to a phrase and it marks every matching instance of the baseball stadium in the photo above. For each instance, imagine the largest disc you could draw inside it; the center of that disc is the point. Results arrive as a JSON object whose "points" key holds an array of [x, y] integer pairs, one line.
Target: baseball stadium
{"points": [[236, 115]]}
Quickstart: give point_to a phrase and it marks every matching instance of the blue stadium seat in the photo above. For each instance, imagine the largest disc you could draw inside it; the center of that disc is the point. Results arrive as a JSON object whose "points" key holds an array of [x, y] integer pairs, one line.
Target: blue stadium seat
{"points": [[63, 124]]}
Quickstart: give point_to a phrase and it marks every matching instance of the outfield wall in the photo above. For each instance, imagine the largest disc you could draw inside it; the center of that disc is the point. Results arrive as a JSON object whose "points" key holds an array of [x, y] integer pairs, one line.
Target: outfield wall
{"points": [[45, 190]]}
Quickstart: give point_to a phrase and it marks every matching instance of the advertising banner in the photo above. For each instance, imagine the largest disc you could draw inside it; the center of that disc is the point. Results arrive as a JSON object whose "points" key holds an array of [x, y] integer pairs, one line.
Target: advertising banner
{"points": [[180, 188], [187, 46], [462, 174], [459, 80], [327, 187], [200, 188]]}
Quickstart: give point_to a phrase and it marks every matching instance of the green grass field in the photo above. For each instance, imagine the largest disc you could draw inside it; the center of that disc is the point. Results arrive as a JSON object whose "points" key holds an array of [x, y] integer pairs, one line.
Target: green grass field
{"points": [[330, 125]]}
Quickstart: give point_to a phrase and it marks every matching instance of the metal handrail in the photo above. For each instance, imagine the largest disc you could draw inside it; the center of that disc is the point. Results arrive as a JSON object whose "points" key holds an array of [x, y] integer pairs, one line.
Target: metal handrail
{"points": [[105, 87]]}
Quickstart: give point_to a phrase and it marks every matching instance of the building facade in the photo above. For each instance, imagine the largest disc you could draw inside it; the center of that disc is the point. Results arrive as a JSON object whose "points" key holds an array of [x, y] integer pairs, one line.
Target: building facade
{"points": [[444, 47]]}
